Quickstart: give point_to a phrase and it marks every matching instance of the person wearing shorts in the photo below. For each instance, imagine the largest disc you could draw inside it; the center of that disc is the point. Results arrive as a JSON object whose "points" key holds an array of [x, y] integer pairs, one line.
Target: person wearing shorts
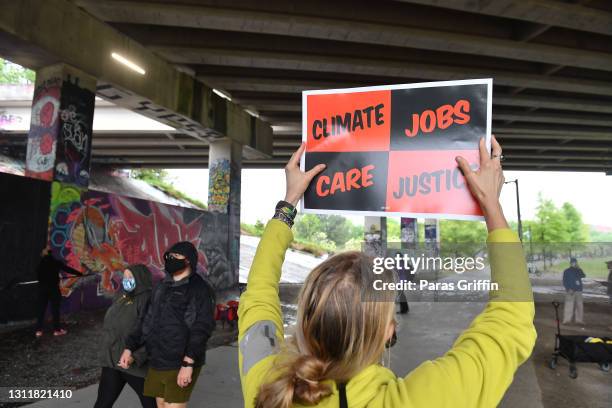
{"points": [[175, 329]]}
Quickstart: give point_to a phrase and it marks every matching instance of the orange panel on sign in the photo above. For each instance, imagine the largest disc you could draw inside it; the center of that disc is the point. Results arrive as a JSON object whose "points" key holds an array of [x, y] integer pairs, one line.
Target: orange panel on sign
{"points": [[342, 122], [428, 181]]}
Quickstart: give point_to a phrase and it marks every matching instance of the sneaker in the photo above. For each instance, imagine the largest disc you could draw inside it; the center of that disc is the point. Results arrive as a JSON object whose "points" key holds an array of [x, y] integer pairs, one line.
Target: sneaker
{"points": [[60, 332], [39, 334]]}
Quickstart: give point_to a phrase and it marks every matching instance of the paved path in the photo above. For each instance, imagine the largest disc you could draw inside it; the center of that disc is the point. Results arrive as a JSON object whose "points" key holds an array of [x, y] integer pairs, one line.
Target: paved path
{"points": [[427, 332]]}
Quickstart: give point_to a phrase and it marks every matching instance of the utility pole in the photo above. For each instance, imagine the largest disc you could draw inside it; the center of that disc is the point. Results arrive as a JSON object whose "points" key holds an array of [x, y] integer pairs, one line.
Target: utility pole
{"points": [[518, 208]]}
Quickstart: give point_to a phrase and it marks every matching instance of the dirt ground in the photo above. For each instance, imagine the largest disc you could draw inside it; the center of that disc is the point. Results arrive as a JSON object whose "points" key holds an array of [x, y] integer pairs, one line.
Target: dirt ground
{"points": [[69, 361], [593, 387]]}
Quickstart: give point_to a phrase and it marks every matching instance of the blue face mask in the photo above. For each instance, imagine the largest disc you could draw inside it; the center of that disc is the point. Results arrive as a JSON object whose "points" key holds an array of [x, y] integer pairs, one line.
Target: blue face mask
{"points": [[128, 284]]}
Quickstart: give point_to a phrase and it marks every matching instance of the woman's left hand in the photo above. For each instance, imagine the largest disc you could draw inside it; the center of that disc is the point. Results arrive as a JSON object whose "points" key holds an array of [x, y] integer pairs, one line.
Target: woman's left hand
{"points": [[184, 376], [298, 180]]}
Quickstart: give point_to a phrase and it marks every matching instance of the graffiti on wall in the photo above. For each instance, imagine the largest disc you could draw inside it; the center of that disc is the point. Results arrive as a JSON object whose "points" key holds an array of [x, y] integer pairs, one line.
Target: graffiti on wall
{"points": [[219, 186], [74, 138], [44, 125], [100, 234]]}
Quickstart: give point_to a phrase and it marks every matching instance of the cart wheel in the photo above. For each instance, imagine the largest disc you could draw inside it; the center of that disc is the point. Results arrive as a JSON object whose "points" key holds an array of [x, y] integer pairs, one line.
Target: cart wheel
{"points": [[604, 366], [573, 373], [552, 363]]}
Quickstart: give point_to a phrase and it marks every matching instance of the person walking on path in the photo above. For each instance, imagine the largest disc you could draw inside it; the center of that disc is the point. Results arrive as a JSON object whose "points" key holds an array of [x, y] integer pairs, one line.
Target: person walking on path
{"points": [[128, 309], [573, 308], [344, 324], [48, 274], [175, 329]]}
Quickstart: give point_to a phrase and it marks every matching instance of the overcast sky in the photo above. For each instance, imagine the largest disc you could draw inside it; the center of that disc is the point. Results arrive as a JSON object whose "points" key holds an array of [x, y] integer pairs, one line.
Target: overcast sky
{"points": [[590, 193]]}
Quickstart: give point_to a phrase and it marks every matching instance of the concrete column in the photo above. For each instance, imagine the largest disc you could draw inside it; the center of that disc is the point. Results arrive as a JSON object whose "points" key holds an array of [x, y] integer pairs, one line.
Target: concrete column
{"points": [[432, 231], [375, 235], [59, 141], [225, 166], [432, 235], [409, 232]]}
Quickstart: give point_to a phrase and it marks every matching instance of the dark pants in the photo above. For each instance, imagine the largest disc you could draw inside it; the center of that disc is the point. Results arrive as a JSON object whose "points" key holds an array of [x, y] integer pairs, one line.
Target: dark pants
{"points": [[45, 296], [111, 384]]}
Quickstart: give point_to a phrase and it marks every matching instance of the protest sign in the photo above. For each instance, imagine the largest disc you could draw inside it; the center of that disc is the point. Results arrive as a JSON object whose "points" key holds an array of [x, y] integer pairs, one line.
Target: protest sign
{"points": [[390, 150]]}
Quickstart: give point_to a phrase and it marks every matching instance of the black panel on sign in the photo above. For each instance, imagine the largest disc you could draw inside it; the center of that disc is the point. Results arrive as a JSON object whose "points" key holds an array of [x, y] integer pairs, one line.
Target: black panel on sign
{"points": [[352, 181], [438, 118]]}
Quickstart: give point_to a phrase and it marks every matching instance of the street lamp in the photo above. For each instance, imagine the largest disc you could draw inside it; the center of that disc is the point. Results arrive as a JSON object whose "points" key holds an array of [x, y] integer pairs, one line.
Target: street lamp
{"points": [[518, 208]]}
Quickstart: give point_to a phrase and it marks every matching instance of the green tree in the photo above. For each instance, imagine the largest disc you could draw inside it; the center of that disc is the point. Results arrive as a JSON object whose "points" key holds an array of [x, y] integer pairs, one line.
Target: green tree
{"points": [[455, 232], [14, 74], [151, 175], [393, 230], [306, 226], [337, 228], [576, 229], [550, 224], [159, 178]]}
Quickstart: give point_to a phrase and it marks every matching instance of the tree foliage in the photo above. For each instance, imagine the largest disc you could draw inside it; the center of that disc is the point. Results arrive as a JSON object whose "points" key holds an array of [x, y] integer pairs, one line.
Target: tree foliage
{"points": [[455, 232], [159, 178], [321, 228], [557, 225], [13, 74]]}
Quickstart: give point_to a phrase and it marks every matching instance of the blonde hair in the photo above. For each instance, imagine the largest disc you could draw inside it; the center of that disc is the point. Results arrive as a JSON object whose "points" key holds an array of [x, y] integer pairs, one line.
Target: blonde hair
{"points": [[341, 327]]}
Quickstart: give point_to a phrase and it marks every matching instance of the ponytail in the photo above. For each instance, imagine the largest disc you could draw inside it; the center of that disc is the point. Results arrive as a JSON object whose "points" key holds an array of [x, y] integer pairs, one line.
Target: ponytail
{"points": [[300, 381]]}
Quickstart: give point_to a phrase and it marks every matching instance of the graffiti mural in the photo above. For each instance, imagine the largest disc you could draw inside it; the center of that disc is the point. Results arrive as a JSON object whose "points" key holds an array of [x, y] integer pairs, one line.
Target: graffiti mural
{"points": [[100, 234], [44, 126], [219, 186], [74, 138]]}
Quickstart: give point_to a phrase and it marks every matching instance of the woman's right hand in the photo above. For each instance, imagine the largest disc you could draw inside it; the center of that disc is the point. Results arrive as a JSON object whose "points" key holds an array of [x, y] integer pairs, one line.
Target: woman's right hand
{"points": [[126, 359], [486, 183], [297, 180]]}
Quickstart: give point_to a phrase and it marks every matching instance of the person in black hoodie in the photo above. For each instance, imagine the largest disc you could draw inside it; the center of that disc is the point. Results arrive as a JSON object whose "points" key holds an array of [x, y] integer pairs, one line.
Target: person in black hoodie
{"points": [[48, 273], [175, 329], [128, 309]]}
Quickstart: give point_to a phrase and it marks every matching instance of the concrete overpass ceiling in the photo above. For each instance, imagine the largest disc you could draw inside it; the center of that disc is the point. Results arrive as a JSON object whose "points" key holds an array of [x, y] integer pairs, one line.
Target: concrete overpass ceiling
{"points": [[551, 61]]}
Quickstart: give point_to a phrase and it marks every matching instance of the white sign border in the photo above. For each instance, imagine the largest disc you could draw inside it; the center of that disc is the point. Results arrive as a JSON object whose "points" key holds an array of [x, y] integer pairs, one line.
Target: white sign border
{"points": [[436, 84]]}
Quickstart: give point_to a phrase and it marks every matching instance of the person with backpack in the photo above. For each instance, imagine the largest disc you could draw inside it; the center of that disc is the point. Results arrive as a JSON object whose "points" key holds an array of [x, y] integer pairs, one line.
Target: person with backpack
{"points": [[344, 325], [127, 310], [175, 329]]}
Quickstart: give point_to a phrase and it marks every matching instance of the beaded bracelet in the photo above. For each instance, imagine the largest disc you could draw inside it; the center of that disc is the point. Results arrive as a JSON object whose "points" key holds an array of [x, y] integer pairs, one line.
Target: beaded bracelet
{"points": [[285, 212]]}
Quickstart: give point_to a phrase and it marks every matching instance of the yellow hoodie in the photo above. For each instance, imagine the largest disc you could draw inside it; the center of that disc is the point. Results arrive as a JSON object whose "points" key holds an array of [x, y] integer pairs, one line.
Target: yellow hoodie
{"points": [[475, 372]]}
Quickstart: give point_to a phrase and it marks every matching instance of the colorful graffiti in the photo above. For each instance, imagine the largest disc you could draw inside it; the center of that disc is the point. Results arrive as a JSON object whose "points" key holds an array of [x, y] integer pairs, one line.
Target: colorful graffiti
{"points": [[44, 126], [219, 186], [100, 233], [74, 140]]}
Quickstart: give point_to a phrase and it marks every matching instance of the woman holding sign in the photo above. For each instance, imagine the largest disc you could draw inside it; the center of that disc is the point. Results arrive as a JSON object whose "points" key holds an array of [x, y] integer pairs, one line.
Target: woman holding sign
{"points": [[344, 325]]}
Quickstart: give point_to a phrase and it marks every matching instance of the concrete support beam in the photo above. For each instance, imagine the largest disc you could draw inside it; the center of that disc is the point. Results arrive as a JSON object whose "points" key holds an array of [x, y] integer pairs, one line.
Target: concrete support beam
{"points": [[59, 141], [225, 166], [282, 85], [382, 68], [409, 232], [375, 236], [546, 12], [48, 31], [336, 29]]}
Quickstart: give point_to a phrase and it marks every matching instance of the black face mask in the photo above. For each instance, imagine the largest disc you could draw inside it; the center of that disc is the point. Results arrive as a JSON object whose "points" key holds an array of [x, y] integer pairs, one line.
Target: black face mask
{"points": [[174, 265]]}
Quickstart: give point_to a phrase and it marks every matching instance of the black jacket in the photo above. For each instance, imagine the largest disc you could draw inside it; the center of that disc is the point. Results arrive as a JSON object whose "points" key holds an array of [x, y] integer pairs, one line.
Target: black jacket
{"points": [[178, 323], [48, 271], [121, 318]]}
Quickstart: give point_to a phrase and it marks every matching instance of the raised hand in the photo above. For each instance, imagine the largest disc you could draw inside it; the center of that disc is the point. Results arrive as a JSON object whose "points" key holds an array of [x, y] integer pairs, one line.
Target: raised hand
{"points": [[297, 180], [486, 183]]}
